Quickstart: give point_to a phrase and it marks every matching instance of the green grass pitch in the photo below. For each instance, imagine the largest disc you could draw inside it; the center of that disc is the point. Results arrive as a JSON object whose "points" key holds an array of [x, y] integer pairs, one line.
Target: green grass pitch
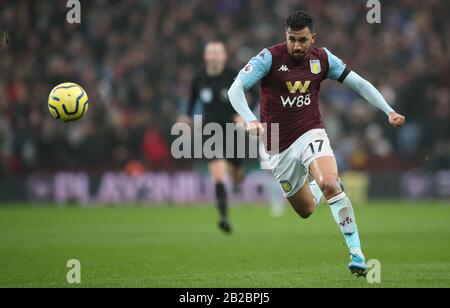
{"points": [[182, 247]]}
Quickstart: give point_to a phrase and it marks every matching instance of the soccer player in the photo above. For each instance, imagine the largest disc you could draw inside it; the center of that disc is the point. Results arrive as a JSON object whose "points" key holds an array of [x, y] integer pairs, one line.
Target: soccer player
{"points": [[290, 74], [210, 87]]}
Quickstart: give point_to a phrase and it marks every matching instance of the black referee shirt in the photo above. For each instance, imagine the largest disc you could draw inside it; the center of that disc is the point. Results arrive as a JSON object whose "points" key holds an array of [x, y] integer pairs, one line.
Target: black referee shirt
{"points": [[212, 93]]}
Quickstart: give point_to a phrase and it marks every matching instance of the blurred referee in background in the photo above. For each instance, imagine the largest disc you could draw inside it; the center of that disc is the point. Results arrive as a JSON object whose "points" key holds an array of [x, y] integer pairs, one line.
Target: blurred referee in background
{"points": [[209, 88]]}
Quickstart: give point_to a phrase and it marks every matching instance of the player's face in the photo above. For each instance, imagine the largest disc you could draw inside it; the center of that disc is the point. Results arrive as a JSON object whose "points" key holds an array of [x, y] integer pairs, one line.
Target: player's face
{"points": [[215, 54], [299, 42]]}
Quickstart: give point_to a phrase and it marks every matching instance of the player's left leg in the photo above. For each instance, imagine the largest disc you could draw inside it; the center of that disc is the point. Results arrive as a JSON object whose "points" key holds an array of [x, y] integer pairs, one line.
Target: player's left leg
{"points": [[325, 171]]}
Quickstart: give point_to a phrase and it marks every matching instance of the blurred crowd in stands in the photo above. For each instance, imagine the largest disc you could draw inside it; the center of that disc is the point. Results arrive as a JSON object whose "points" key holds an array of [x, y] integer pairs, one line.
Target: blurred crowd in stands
{"points": [[136, 60]]}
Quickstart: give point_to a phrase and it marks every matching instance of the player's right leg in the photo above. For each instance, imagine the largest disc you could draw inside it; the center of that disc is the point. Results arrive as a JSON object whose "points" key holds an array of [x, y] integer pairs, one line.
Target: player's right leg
{"points": [[293, 176], [293, 179], [218, 170], [303, 201], [277, 200]]}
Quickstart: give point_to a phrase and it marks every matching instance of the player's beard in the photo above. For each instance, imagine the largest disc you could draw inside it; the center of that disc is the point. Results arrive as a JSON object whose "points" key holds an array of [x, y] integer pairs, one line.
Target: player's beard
{"points": [[298, 56]]}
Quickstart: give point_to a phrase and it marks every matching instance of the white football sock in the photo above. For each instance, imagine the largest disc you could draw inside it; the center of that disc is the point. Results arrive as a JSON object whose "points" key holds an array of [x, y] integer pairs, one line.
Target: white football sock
{"points": [[343, 214], [317, 193]]}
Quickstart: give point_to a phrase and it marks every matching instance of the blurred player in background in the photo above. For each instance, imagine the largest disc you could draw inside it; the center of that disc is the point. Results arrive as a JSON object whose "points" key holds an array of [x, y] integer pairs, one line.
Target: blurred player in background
{"points": [[210, 87], [290, 74]]}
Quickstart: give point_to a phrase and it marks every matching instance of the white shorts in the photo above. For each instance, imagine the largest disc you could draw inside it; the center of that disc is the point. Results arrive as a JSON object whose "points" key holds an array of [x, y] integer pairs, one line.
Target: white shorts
{"points": [[263, 157], [291, 167]]}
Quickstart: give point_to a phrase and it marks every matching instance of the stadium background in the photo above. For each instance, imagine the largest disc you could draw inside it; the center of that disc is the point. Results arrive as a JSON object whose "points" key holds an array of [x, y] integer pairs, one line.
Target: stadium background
{"points": [[136, 59]]}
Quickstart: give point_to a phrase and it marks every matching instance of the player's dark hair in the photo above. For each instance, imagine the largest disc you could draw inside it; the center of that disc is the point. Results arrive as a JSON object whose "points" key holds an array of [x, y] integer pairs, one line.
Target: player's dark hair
{"points": [[299, 20]]}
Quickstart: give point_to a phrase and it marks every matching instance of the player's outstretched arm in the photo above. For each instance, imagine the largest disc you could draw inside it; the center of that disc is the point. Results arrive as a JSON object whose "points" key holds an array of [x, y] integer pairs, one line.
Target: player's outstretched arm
{"points": [[373, 96], [257, 68], [396, 120], [236, 94], [237, 98]]}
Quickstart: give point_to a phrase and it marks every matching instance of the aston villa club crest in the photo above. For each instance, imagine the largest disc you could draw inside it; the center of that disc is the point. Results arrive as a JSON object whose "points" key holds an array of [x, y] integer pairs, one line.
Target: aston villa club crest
{"points": [[315, 66], [286, 186]]}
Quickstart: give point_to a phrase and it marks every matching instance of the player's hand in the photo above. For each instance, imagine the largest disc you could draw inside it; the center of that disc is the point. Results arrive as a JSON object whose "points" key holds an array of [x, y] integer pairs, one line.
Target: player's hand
{"points": [[238, 119], [396, 120], [184, 119], [255, 128]]}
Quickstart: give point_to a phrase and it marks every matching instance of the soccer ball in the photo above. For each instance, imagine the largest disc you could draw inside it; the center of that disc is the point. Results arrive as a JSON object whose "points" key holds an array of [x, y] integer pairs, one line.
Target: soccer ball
{"points": [[68, 102]]}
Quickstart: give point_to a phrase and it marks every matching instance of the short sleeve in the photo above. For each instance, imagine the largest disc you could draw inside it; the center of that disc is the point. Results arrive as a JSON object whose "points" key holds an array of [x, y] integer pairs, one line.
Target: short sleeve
{"points": [[336, 66], [256, 69]]}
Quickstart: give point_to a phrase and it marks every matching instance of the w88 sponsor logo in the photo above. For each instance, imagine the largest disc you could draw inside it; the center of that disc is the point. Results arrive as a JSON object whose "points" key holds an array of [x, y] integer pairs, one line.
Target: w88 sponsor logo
{"points": [[298, 101]]}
